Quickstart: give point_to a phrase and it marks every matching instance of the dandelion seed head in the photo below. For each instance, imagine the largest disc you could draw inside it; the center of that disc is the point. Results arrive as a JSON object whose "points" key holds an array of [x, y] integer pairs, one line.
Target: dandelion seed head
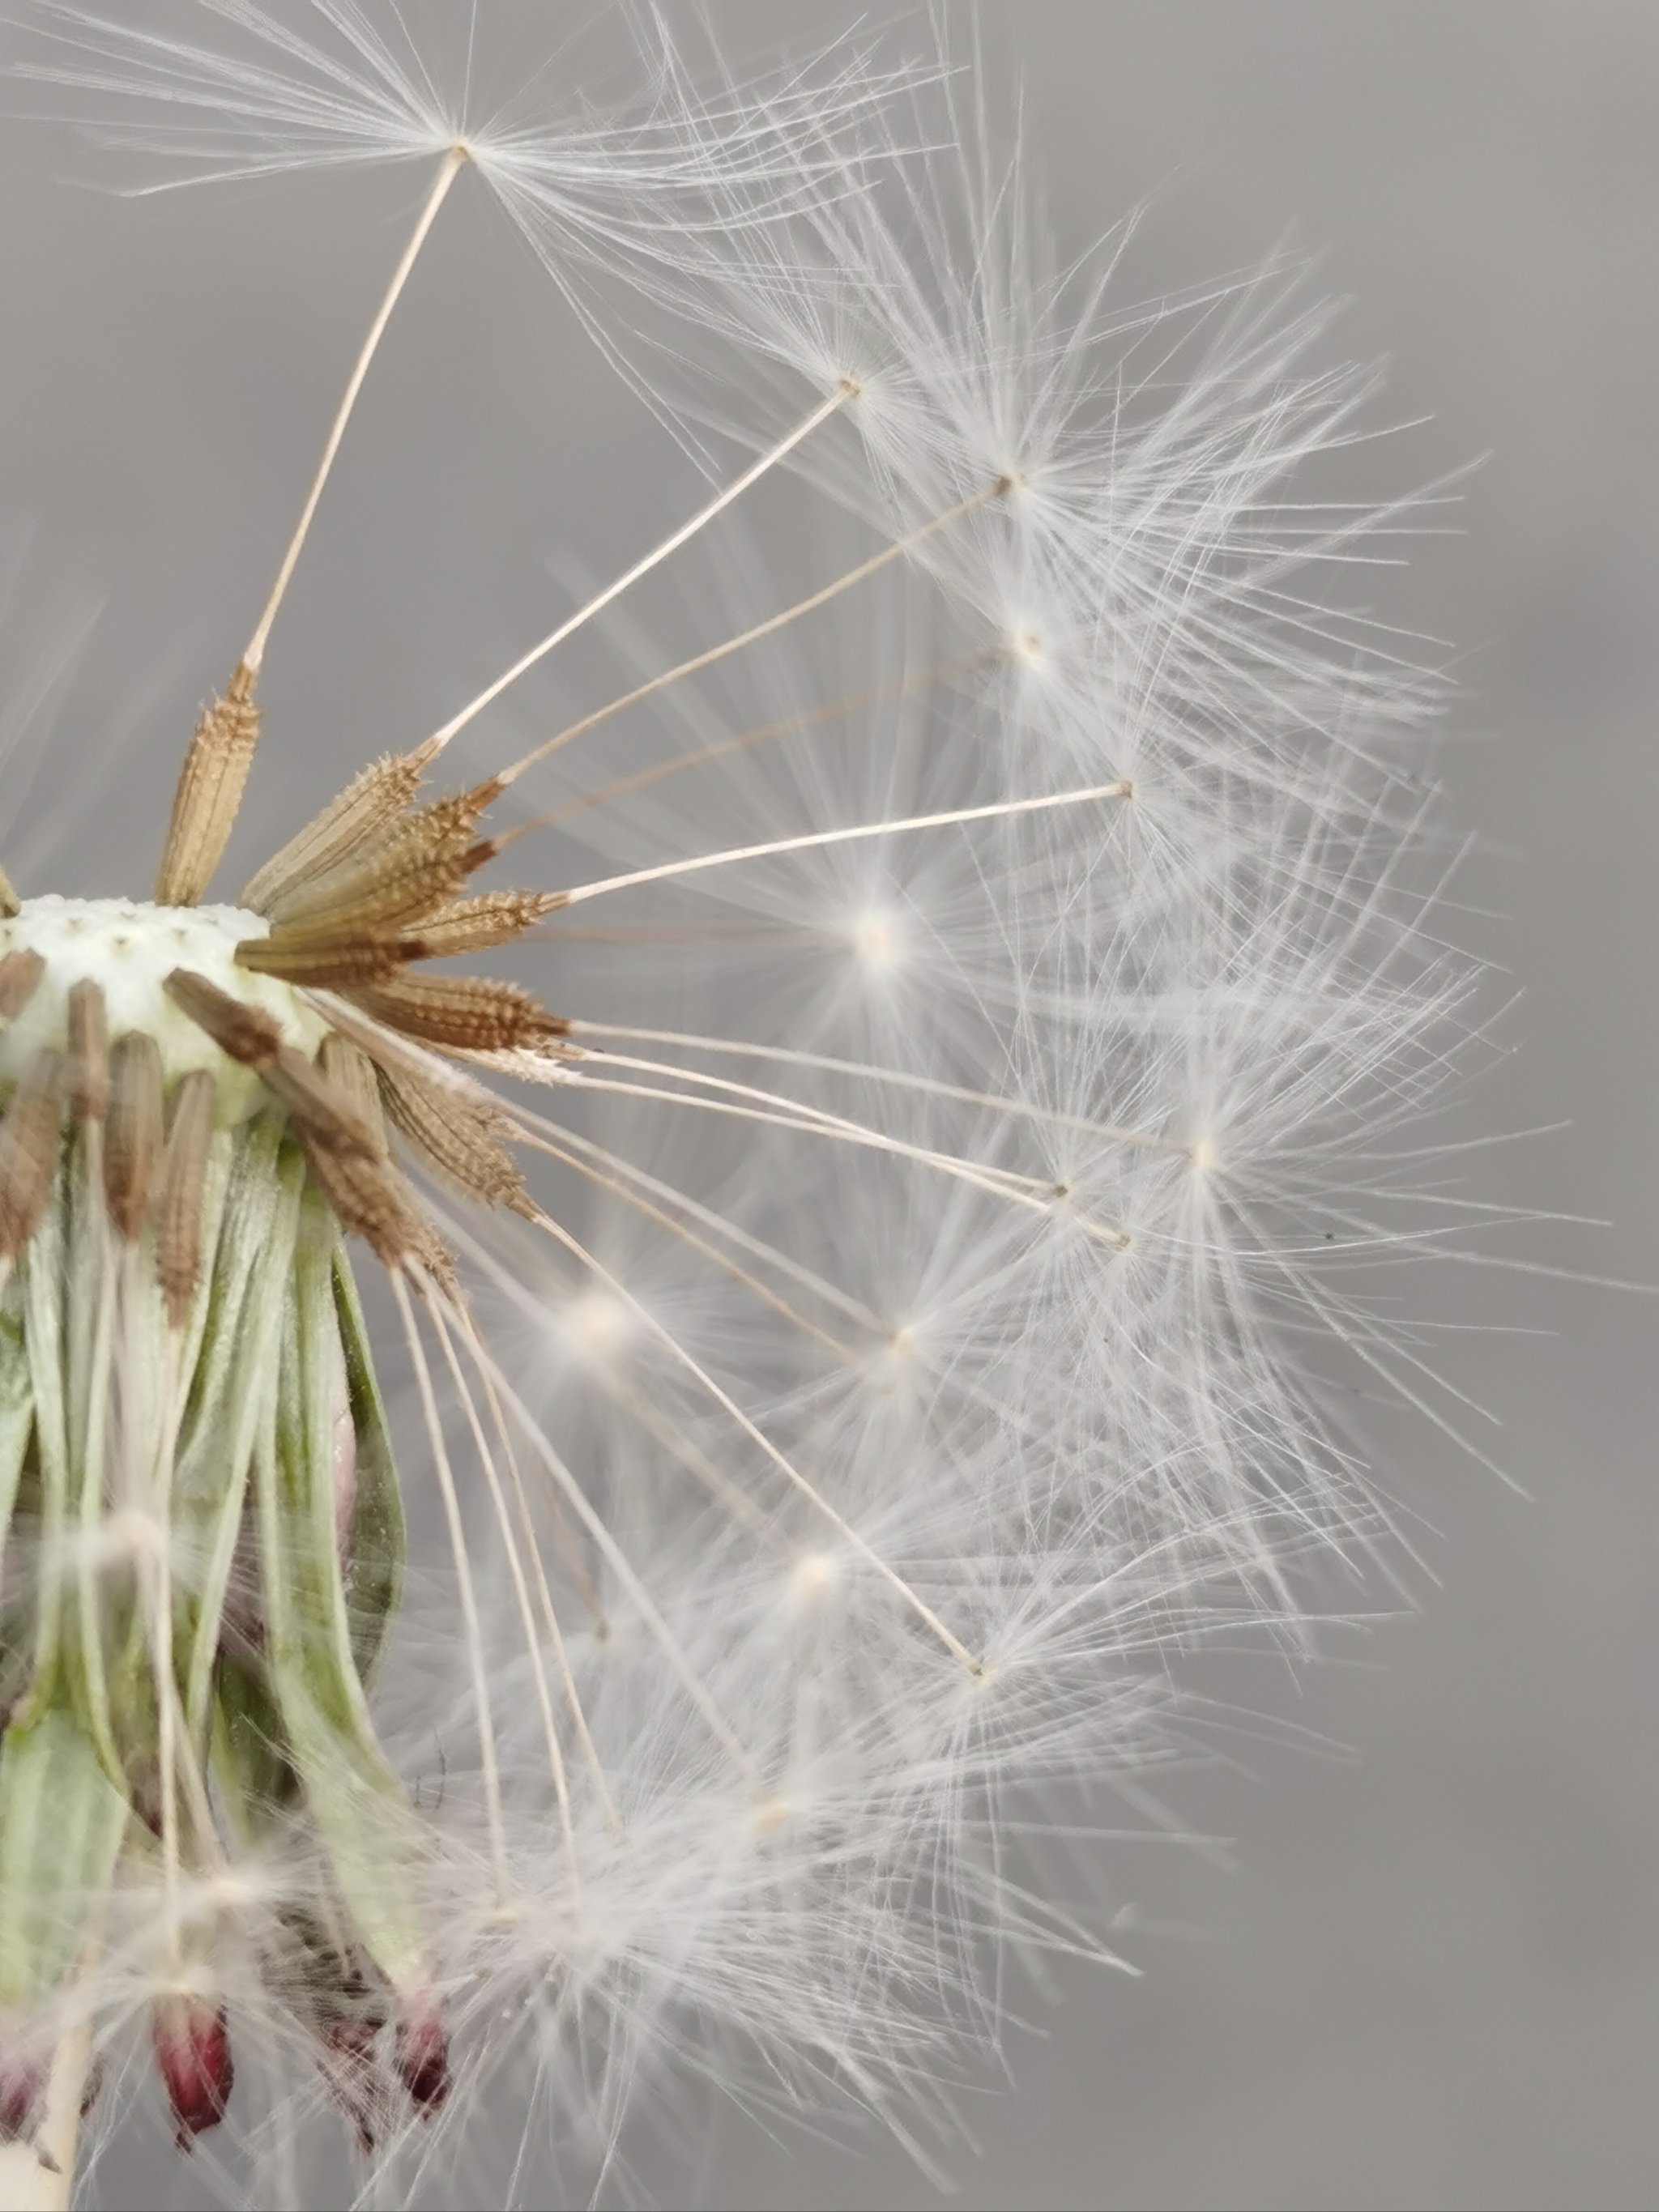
{"points": [[558, 1532]]}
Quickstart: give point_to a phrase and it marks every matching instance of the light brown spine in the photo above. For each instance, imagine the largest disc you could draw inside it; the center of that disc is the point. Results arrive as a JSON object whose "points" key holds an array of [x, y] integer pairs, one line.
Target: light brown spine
{"points": [[372, 1201], [318, 1109], [369, 803], [28, 1150], [20, 979], [179, 1194], [132, 1142], [87, 1092], [208, 796], [330, 960], [477, 924], [456, 1138], [461, 1013], [392, 870]]}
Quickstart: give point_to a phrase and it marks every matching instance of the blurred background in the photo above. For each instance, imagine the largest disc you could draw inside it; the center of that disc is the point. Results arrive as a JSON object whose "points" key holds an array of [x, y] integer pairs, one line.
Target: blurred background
{"points": [[1432, 1977]]}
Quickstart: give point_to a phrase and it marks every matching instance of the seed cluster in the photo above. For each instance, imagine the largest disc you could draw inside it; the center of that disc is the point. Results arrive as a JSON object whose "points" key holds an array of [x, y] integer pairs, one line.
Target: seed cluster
{"points": [[365, 892]]}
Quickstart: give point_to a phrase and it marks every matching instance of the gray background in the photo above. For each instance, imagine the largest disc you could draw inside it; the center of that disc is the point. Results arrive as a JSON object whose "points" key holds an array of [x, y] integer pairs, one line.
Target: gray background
{"points": [[1431, 1979]]}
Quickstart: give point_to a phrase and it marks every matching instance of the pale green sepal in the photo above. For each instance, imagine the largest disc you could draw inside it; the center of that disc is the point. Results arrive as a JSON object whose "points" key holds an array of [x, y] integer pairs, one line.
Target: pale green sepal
{"points": [[16, 1406], [42, 1269], [61, 1827], [365, 1821], [375, 1549], [224, 1148], [248, 1748], [90, 1296], [235, 1394]]}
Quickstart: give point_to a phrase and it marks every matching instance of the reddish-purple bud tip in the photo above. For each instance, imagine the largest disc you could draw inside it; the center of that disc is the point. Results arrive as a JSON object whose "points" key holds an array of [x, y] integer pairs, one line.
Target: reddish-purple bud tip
{"points": [[22, 2080], [348, 2060], [192, 2054], [422, 2049]]}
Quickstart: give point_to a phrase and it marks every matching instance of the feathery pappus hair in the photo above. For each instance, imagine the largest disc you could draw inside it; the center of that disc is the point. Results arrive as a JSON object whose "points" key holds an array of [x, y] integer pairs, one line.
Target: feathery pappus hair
{"points": [[610, 1374]]}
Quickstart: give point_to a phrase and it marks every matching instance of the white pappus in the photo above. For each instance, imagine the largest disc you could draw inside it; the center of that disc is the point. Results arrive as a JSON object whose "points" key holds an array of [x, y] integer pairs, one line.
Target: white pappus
{"points": [[857, 1295]]}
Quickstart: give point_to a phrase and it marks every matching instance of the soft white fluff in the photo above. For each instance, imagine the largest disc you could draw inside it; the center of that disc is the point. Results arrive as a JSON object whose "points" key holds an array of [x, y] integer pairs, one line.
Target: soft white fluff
{"points": [[935, 1336]]}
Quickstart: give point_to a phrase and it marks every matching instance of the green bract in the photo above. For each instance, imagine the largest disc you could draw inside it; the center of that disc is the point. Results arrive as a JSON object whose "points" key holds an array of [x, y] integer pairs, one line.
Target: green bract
{"points": [[204, 1545]]}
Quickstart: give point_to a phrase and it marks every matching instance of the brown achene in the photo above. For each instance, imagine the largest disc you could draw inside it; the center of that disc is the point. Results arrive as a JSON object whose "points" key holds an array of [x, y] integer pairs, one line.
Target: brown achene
{"points": [[373, 885]]}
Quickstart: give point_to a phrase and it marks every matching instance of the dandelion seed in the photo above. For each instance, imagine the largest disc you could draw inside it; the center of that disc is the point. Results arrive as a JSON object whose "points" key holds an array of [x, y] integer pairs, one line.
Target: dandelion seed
{"points": [[854, 1311]]}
